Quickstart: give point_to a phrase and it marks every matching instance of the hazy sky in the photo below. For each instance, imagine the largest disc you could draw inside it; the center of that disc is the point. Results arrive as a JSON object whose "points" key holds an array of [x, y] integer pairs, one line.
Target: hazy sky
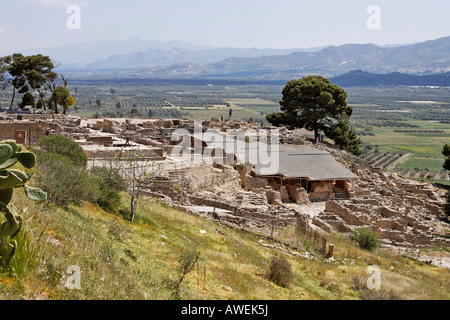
{"points": [[235, 23]]}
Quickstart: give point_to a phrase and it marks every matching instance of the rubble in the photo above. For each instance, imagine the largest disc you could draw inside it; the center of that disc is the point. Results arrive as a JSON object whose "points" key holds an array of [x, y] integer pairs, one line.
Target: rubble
{"points": [[404, 213]]}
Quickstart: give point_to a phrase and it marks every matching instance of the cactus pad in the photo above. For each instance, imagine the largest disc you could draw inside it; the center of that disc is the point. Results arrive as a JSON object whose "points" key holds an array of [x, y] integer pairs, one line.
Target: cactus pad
{"points": [[35, 194], [27, 159], [10, 154], [6, 152], [12, 179], [13, 144], [5, 196]]}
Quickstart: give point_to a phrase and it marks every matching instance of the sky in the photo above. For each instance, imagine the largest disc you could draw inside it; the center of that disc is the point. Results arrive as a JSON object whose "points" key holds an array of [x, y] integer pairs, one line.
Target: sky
{"points": [[28, 24]]}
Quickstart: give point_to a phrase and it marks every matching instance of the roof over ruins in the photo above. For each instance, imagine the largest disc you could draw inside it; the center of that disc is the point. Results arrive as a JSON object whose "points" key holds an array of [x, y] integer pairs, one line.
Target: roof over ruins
{"points": [[295, 161]]}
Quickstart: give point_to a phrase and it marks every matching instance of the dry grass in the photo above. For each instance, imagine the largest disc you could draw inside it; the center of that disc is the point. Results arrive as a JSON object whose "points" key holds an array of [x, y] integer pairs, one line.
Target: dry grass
{"points": [[123, 260]]}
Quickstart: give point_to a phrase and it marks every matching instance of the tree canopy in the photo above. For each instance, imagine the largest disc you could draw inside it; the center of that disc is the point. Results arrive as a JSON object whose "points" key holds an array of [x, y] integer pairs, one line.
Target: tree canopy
{"points": [[314, 103], [30, 75], [61, 96], [446, 153], [345, 136], [446, 165]]}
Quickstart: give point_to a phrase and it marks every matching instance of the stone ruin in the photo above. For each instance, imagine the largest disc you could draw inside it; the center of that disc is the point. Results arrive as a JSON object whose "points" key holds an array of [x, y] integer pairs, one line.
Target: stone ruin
{"points": [[403, 212], [217, 193]]}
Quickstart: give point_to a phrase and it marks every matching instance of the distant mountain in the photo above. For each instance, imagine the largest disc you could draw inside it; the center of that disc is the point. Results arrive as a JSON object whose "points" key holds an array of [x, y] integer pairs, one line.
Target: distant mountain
{"points": [[91, 51], [134, 52], [429, 57], [177, 55], [134, 57], [360, 78]]}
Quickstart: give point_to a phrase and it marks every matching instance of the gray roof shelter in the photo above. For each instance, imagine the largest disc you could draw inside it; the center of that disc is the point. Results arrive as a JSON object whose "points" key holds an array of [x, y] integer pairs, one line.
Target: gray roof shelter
{"points": [[298, 161]]}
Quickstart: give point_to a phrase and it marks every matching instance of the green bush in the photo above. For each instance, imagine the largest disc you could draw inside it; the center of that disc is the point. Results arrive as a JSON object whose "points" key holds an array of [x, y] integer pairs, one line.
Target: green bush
{"points": [[62, 173], [64, 181], [109, 198], [366, 239], [110, 184], [111, 177], [280, 271], [63, 146]]}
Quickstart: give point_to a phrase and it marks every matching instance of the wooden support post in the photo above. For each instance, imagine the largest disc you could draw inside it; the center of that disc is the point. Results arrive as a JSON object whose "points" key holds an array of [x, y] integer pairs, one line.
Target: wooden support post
{"points": [[330, 250], [204, 277], [198, 276]]}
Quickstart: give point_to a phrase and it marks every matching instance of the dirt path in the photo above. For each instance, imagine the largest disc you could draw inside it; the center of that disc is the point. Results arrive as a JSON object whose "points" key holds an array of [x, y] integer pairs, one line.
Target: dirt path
{"points": [[393, 164]]}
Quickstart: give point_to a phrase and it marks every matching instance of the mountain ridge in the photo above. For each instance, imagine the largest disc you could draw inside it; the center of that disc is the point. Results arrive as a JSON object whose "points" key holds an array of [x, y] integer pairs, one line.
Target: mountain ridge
{"points": [[134, 57], [425, 58]]}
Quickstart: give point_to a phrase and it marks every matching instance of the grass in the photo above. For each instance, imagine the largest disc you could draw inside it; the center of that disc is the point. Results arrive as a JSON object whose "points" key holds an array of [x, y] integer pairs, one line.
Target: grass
{"points": [[424, 148], [123, 260], [433, 164]]}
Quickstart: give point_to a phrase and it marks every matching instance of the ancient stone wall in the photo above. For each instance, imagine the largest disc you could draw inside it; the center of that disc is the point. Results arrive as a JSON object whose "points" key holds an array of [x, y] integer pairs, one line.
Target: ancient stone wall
{"points": [[403, 212]]}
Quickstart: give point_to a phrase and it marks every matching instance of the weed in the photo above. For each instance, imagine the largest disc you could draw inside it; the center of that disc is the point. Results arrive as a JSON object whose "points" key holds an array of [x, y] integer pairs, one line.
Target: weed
{"points": [[366, 239], [280, 271]]}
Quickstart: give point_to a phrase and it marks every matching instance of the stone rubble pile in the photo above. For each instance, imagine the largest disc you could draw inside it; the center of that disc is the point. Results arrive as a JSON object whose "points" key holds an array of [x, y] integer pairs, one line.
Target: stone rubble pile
{"points": [[404, 213], [221, 188]]}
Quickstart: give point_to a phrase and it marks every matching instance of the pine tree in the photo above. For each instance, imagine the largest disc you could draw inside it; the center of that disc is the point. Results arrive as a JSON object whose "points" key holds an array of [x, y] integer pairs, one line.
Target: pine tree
{"points": [[446, 153], [311, 102], [344, 135], [446, 165]]}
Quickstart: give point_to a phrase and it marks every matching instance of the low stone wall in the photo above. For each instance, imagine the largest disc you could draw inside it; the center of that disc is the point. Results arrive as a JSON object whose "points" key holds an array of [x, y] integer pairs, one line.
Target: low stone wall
{"points": [[404, 213], [99, 152], [34, 129]]}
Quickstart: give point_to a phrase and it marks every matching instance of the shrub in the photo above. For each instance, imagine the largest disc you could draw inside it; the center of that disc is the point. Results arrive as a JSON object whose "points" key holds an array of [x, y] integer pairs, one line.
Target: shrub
{"points": [[63, 146], [109, 198], [370, 294], [366, 238], [187, 260], [109, 176], [379, 295], [280, 271], [64, 181]]}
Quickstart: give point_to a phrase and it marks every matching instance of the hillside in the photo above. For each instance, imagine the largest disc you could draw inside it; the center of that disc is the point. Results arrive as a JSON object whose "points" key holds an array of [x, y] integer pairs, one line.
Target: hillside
{"points": [[429, 57], [122, 260], [138, 58], [360, 78]]}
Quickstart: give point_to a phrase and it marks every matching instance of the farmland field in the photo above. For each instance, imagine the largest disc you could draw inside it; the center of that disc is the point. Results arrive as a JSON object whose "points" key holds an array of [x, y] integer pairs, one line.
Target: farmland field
{"points": [[407, 123]]}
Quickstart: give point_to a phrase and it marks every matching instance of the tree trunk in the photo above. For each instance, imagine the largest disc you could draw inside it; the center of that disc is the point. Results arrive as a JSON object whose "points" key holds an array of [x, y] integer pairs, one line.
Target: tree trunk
{"points": [[316, 135], [133, 207], [42, 100], [12, 100]]}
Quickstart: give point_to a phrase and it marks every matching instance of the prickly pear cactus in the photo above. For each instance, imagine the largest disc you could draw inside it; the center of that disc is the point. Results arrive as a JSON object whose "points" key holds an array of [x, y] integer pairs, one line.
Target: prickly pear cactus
{"points": [[10, 154]]}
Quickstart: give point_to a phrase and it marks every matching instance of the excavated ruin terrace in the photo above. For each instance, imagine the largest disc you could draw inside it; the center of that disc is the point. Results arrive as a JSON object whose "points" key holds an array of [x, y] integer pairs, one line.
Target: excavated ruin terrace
{"points": [[405, 213]]}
